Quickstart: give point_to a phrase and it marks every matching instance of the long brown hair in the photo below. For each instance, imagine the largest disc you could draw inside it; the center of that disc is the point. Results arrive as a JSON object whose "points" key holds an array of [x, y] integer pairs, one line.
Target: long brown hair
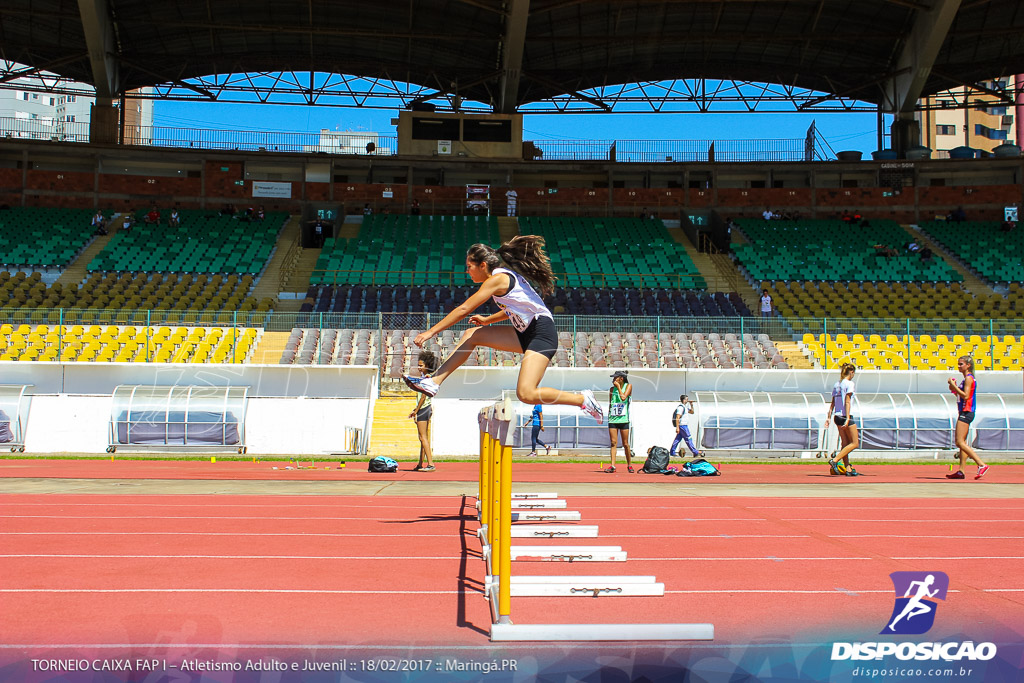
{"points": [[429, 360], [524, 254]]}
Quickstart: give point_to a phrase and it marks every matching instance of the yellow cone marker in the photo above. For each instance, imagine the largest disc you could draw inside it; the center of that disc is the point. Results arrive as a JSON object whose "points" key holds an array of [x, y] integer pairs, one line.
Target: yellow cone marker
{"points": [[213, 459]]}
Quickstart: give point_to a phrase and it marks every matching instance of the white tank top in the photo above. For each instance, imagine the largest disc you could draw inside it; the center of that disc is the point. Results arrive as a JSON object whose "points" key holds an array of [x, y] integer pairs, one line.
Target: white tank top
{"points": [[522, 303], [839, 393]]}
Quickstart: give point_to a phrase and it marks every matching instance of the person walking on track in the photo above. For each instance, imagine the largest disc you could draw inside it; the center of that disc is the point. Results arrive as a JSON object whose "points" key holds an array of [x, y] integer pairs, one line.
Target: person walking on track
{"points": [[681, 423], [503, 275], [967, 402], [840, 410], [537, 426]]}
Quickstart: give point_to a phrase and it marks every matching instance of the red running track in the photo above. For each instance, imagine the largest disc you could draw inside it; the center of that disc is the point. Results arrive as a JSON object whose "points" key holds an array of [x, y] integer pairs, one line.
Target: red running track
{"points": [[283, 569], [778, 473]]}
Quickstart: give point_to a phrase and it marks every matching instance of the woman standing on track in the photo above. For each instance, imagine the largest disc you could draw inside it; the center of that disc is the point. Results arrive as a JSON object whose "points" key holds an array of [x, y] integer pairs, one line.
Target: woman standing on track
{"points": [[537, 426], [532, 332], [967, 402], [619, 397], [840, 411], [423, 412]]}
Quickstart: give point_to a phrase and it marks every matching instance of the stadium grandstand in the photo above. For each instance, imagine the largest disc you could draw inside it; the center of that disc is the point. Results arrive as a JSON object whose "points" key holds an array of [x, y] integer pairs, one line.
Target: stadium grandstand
{"points": [[904, 261], [208, 340]]}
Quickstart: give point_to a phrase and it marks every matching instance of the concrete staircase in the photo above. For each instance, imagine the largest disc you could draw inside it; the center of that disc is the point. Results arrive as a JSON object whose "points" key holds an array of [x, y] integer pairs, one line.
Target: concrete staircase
{"points": [[270, 347], [393, 433], [705, 266], [295, 274], [76, 271], [508, 227], [269, 285], [795, 358], [972, 283]]}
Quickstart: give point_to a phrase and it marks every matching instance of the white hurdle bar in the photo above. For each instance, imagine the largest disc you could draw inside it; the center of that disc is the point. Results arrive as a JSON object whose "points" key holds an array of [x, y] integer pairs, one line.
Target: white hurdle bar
{"points": [[495, 504]]}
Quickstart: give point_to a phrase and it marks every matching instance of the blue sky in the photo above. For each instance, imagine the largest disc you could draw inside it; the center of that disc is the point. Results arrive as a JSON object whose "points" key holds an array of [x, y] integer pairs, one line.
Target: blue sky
{"points": [[843, 131]]}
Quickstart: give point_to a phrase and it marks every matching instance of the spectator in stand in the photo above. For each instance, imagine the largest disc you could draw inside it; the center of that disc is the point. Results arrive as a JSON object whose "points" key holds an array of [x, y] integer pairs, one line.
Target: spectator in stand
{"points": [[913, 247], [926, 255], [957, 215], [99, 223], [415, 208], [261, 213], [153, 217], [766, 304], [767, 214], [1008, 226], [175, 218], [128, 222], [643, 213], [513, 199], [367, 210]]}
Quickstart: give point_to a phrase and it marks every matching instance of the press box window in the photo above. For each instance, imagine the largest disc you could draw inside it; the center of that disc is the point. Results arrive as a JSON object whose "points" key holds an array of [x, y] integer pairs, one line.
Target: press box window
{"points": [[487, 131], [435, 129]]}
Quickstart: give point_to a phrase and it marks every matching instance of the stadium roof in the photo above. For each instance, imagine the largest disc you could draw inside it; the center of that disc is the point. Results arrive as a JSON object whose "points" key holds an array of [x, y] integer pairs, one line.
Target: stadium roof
{"points": [[509, 54]]}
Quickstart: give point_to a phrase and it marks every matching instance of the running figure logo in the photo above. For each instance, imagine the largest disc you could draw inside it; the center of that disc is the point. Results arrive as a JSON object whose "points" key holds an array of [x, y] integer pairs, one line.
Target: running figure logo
{"points": [[916, 593]]}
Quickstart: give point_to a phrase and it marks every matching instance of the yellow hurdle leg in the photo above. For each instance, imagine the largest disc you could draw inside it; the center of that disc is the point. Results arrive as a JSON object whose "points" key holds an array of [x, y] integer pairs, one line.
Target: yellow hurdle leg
{"points": [[504, 557]]}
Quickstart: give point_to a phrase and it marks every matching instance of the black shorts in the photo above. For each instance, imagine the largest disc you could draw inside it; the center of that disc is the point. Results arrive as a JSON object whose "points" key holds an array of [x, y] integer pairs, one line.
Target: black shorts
{"points": [[618, 425], [540, 336], [966, 416], [843, 421], [424, 413]]}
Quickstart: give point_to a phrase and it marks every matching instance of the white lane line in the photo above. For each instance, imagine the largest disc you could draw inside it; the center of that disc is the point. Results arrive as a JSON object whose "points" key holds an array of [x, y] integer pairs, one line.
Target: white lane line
{"points": [[226, 518], [334, 535], [307, 518], [773, 558], [848, 591], [939, 536], [236, 590], [311, 591], [237, 557]]}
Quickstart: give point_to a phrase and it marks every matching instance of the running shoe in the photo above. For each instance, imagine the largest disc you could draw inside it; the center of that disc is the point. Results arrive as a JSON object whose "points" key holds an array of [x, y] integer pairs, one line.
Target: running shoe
{"points": [[850, 472], [955, 475], [833, 468], [981, 472], [547, 450], [531, 455], [629, 468], [610, 470], [423, 385], [590, 406], [428, 468]]}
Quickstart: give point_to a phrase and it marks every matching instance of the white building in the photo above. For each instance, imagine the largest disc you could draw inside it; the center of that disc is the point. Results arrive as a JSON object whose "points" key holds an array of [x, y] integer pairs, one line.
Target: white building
{"points": [[51, 115], [345, 142]]}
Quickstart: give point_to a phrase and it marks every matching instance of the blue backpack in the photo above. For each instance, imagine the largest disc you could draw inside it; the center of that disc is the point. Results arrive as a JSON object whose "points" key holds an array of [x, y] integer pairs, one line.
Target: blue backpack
{"points": [[698, 468], [383, 464]]}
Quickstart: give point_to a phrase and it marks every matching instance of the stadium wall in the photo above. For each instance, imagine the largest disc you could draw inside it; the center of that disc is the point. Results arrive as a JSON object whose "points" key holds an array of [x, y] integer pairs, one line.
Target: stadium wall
{"points": [[295, 410], [120, 179]]}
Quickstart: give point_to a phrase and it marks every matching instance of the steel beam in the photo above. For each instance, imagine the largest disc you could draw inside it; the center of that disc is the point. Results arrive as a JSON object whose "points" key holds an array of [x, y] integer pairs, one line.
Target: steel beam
{"points": [[512, 55], [102, 46]]}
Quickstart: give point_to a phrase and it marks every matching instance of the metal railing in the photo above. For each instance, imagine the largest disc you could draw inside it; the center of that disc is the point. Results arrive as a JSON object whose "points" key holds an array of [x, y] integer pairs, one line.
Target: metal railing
{"points": [[898, 338], [447, 278], [376, 144]]}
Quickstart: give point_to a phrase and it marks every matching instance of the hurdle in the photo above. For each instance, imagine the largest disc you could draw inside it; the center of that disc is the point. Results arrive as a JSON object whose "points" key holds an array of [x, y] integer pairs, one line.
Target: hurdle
{"points": [[495, 505]]}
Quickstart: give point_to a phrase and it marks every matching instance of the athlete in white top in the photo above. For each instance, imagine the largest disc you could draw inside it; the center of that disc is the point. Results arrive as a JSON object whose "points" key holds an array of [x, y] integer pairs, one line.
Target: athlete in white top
{"points": [[532, 332], [840, 410]]}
